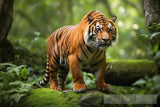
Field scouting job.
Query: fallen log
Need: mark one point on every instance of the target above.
(126, 72)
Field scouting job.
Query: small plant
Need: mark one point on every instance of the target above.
(12, 89)
(88, 78)
(149, 85)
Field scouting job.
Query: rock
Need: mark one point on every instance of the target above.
(92, 99)
(126, 72)
(45, 97)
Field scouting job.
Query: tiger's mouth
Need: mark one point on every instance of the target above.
(104, 45)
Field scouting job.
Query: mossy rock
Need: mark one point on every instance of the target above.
(126, 72)
(45, 97)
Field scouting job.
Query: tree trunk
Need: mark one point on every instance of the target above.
(6, 17)
(152, 16)
(152, 12)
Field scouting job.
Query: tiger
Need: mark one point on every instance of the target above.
(78, 48)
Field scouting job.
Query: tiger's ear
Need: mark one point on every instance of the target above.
(113, 18)
(90, 18)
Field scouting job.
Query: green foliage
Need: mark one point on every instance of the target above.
(89, 79)
(11, 86)
(149, 85)
(155, 41)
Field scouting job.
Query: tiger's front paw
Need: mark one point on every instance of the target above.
(103, 87)
(79, 88)
(55, 88)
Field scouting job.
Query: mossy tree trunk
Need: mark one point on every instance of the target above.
(126, 72)
(6, 17)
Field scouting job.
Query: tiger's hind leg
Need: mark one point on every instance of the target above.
(53, 80)
(61, 79)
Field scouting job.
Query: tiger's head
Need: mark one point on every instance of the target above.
(101, 31)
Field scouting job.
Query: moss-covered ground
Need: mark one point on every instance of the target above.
(45, 97)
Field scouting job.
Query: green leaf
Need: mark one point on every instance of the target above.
(12, 90)
(156, 79)
(7, 64)
(24, 73)
(16, 83)
(16, 97)
(139, 82)
(155, 49)
(2, 75)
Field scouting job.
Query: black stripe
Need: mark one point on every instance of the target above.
(87, 21)
(66, 44)
(87, 47)
(83, 50)
(92, 12)
(56, 57)
(89, 31)
(55, 53)
(97, 62)
(60, 34)
(64, 36)
(99, 54)
(57, 43)
(54, 61)
(47, 73)
(40, 82)
(92, 29)
(67, 37)
(45, 81)
(79, 59)
(47, 77)
(53, 71)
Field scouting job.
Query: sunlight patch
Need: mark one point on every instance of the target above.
(135, 26)
(120, 23)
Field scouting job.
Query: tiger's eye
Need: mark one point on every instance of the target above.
(110, 30)
(99, 27)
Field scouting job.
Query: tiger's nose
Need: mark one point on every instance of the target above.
(106, 41)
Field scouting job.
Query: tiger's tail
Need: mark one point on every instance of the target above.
(46, 78)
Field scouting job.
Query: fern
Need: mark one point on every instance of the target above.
(11, 86)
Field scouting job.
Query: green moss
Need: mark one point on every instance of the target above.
(126, 72)
(45, 97)
(134, 65)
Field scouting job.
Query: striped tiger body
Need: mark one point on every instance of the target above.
(79, 48)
